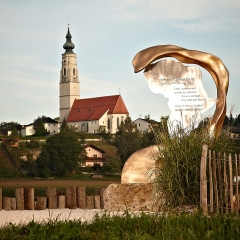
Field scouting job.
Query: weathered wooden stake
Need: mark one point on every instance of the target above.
(236, 174)
(41, 203)
(61, 201)
(29, 198)
(97, 202)
(13, 203)
(101, 197)
(0, 199)
(81, 197)
(220, 181)
(71, 199)
(19, 195)
(52, 202)
(51, 192)
(225, 182)
(203, 180)
(215, 182)
(90, 202)
(6, 203)
(210, 182)
(231, 181)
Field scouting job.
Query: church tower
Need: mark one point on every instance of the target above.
(69, 82)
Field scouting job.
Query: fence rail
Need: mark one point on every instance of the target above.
(75, 197)
(219, 182)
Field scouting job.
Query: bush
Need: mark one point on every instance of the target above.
(177, 168)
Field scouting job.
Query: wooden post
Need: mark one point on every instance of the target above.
(231, 182)
(71, 198)
(97, 202)
(81, 197)
(215, 181)
(51, 192)
(210, 182)
(41, 203)
(13, 203)
(101, 197)
(19, 195)
(90, 202)
(1, 199)
(61, 201)
(29, 198)
(220, 182)
(236, 174)
(203, 180)
(52, 202)
(6, 203)
(225, 182)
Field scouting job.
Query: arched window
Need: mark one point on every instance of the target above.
(118, 122)
(109, 124)
(64, 71)
(74, 71)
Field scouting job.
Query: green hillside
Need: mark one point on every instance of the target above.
(7, 169)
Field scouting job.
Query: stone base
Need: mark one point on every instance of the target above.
(130, 196)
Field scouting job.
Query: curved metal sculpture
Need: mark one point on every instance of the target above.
(211, 63)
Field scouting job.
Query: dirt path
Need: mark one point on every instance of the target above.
(53, 183)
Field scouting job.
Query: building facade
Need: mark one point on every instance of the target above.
(69, 86)
(91, 114)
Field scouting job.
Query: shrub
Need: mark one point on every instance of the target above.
(177, 167)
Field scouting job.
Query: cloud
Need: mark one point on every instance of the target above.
(197, 16)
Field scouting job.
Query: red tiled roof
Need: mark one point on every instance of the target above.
(94, 108)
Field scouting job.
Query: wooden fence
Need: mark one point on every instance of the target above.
(75, 197)
(219, 182)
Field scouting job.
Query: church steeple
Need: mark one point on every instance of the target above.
(69, 81)
(69, 46)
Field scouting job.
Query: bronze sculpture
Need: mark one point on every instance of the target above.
(211, 63)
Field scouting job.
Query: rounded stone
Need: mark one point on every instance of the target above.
(139, 164)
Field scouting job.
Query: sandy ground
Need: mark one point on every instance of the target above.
(23, 217)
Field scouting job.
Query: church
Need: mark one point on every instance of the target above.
(87, 114)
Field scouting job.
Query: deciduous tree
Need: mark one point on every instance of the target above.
(128, 139)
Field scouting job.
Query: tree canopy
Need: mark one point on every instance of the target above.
(41, 130)
(128, 139)
(61, 154)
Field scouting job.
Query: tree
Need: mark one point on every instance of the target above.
(128, 139)
(60, 153)
(9, 125)
(41, 130)
(64, 126)
(14, 132)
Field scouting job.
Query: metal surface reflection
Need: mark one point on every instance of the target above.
(211, 63)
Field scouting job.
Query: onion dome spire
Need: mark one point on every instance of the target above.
(69, 46)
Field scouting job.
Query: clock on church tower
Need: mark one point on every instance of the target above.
(69, 86)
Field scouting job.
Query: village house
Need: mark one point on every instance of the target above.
(145, 125)
(94, 156)
(52, 126)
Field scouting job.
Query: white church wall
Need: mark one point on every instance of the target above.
(115, 121)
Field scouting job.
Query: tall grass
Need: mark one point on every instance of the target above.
(177, 168)
(129, 226)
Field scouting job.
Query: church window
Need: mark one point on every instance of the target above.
(108, 123)
(74, 71)
(64, 71)
(117, 122)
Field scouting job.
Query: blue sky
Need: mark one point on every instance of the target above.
(107, 35)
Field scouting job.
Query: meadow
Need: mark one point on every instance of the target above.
(130, 226)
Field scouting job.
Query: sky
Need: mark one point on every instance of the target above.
(107, 35)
